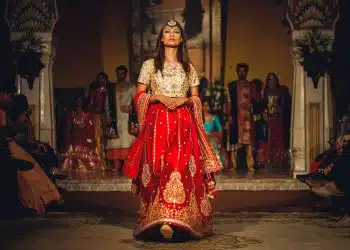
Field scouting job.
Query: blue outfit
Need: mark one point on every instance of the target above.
(212, 126)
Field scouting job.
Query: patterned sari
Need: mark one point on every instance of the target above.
(172, 162)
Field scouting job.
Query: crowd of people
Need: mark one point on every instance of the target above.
(250, 117)
(169, 135)
(245, 116)
(101, 126)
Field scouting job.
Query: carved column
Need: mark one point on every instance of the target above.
(312, 107)
(39, 16)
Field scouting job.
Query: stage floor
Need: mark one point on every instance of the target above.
(248, 231)
(262, 180)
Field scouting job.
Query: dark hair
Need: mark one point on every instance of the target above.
(121, 67)
(84, 102)
(182, 53)
(19, 105)
(267, 78)
(242, 65)
(207, 99)
(102, 74)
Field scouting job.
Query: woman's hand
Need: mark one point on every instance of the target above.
(180, 101)
(167, 101)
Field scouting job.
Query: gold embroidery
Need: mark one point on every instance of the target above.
(192, 165)
(205, 206)
(142, 107)
(142, 211)
(172, 82)
(209, 161)
(188, 217)
(81, 158)
(146, 175)
(174, 190)
(155, 139)
(162, 162)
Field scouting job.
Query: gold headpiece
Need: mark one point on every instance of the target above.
(172, 23)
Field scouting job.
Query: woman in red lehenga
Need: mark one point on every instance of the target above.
(171, 162)
(274, 106)
(82, 154)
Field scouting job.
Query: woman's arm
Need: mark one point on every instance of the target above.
(142, 88)
(185, 100)
(170, 103)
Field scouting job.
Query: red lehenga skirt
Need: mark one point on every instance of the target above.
(277, 153)
(172, 177)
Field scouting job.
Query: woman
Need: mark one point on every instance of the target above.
(274, 101)
(102, 105)
(213, 129)
(22, 133)
(81, 154)
(36, 190)
(171, 160)
(261, 126)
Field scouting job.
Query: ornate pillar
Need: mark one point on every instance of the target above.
(39, 16)
(312, 107)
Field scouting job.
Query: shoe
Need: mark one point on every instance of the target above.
(167, 232)
(327, 190)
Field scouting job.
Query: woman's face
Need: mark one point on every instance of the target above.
(171, 36)
(101, 79)
(205, 107)
(271, 81)
(79, 103)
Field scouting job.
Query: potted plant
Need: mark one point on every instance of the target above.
(315, 54)
(28, 52)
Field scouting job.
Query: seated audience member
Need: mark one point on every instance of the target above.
(334, 174)
(22, 133)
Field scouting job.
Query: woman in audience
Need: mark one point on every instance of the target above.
(23, 135)
(213, 129)
(36, 190)
(28, 183)
(81, 149)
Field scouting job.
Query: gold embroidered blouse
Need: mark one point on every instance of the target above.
(172, 83)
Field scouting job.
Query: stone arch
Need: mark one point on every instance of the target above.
(311, 121)
(39, 17)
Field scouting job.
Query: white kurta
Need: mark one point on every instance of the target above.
(124, 96)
